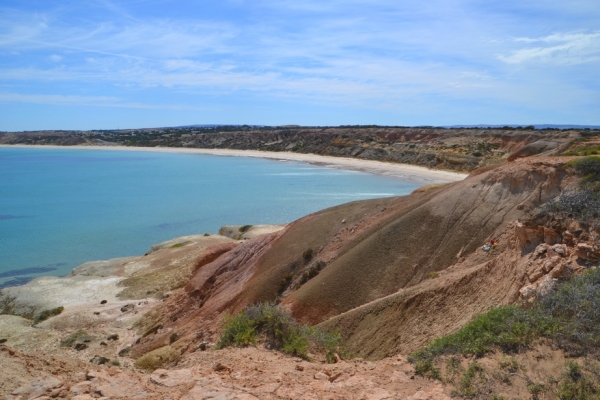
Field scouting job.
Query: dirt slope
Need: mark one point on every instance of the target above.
(369, 264)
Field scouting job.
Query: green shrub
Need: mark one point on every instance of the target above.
(581, 204)
(44, 315)
(584, 151)
(275, 325)
(427, 369)
(508, 327)
(238, 330)
(466, 382)
(535, 389)
(570, 315)
(307, 255)
(588, 166)
(245, 228)
(72, 338)
(181, 244)
(576, 304)
(576, 385)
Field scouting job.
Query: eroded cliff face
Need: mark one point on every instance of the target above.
(389, 274)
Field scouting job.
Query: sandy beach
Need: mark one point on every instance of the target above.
(403, 171)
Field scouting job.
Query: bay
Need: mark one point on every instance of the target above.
(62, 207)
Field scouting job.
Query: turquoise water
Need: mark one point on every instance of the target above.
(62, 207)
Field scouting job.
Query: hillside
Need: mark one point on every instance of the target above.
(344, 265)
(458, 149)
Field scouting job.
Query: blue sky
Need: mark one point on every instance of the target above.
(103, 64)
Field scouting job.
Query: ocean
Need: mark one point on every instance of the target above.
(62, 207)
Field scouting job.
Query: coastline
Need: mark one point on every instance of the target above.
(403, 171)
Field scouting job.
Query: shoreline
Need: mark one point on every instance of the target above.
(395, 170)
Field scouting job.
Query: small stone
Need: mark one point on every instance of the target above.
(560, 249)
(3, 340)
(103, 302)
(124, 351)
(99, 360)
(80, 376)
(80, 346)
(127, 307)
(114, 336)
(103, 344)
(37, 387)
(220, 367)
(299, 368)
(321, 376)
(81, 388)
(333, 377)
(203, 346)
(344, 221)
(96, 313)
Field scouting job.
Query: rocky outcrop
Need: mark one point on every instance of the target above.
(245, 232)
(535, 148)
(166, 268)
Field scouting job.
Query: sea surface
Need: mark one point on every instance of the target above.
(62, 207)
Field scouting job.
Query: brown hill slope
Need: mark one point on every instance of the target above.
(333, 262)
(455, 219)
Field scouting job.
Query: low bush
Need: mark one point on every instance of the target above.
(181, 244)
(275, 326)
(570, 315)
(580, 204)
(44, 315)
(588, 166)
(508, 327)
(245, 228)
(576, 305)
(72, 338)
(473, 372)
(576, 385)
(584, 151)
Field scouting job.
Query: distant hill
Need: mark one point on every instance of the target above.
(536, 126)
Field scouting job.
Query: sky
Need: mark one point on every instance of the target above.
(109, 64)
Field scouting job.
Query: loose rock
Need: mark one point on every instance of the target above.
(99, 360)
(127, 307)
(220, 367)
(80, 346)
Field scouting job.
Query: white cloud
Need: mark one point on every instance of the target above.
(96, 101)
(55, 58)
(569, 48)
(382, 54)
(55, 99)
